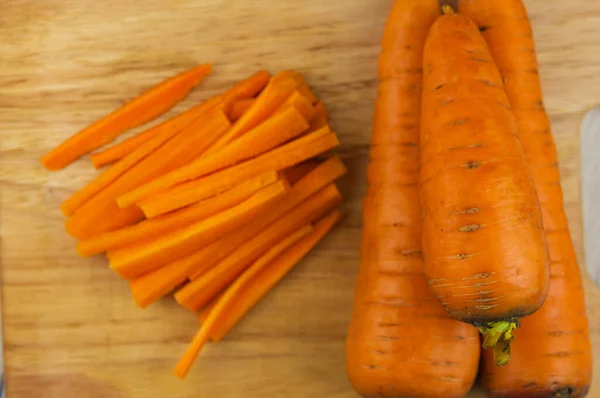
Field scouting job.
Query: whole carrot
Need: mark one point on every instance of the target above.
(485, 251)
(551, 353)
(401, 342)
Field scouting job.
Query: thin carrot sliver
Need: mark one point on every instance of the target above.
(138, 111)
(148, 229)
(138, 259)
(199, 292)
(201, 338)
(130, 145)
(280, 158)
(238, 108)
(276, 130)
(261, 284)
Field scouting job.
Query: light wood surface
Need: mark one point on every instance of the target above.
(70, 326)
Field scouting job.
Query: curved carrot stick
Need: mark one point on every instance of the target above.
(138, 111)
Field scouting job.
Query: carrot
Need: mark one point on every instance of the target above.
(278, 159)
(159, 282)
(102, 214)
(321, 118)
(301, 103)
(138, 259)
(552, 355)
(136, 112)
(276, 130)
(247, 88)
(257, 287)
(278, 89)
(484, 246)
(303, 87)
(216, 315)
(239, 107)
(130, 145)
(151, 228)
(296, 173)
(199, 292)
(401, 342)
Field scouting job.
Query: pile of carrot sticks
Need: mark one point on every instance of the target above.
(217, 204)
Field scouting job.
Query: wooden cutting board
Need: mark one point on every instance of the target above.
(70, 326)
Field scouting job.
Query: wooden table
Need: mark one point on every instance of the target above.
(71, 327)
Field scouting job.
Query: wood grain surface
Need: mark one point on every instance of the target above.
(71, 328)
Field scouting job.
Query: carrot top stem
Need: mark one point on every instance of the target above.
(498, 335)
(447, 9)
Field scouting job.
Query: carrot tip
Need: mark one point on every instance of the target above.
(498, 335)
(448, 10)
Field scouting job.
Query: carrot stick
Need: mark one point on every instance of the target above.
(301, 103)
(247, 88)
(102, 214)
(138, 111)
(136, 260)
(278, 159)
(157, 226)
(199, 292)
(278, 89)
(488, 228)
(130, 145)
(296, 173)
(159, 282)
(321, 118)
(303, 87)
(239, 107)
(551, 354)
(276, 130)
(216, 315)
(260, 285)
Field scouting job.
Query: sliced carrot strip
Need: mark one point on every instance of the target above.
(139, 259)
(102, 214)
(138, 111)
(238, 108)
(198, 293)
(276, 130)
(278, 159)
(247, 88)
(260, 285)
(296, 173)
(321, 118)
(201, 338)
(130, 145)
(148, 229)
(302, 104)
(303, 87)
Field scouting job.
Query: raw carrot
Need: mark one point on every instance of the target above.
(273, 132)
(321, 118)
(239, 107)
(484, 246)
(303, 87)
(147, 229)
(278, 159)
(138, 259)
(296, 173)
(302, 104)
(138, 111)
(159, 282)
(401, 341)
(256, 288)
(199, 292)
(551, 354)
(130, 145)
(216, 315)
(247, 88)
(102, 214)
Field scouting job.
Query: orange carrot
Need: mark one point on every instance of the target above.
(247, 88)
(138, 111)
(278, 159)
(198, 293)
(321, 118)
(303, 87)
(102, 214)
(296, 173)
(301, 103)
(130, 145)
(159, 282)
(276, 130)
(239, 107)
(138, 259)
(216, 315)
(257, 287)
(157, 226)
(487, 230)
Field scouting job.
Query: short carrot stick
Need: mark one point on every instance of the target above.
(238, 108)
(275, 131)
(148, 229)
(278, 159)
(303, 87)
(102, 214)
(138, 259)
(321, 118)
(130, 145)
(247, 88)
(261, 284)
(301, 103)
(140, 110)
(198, 293)
(150, 287)
(215, 316)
